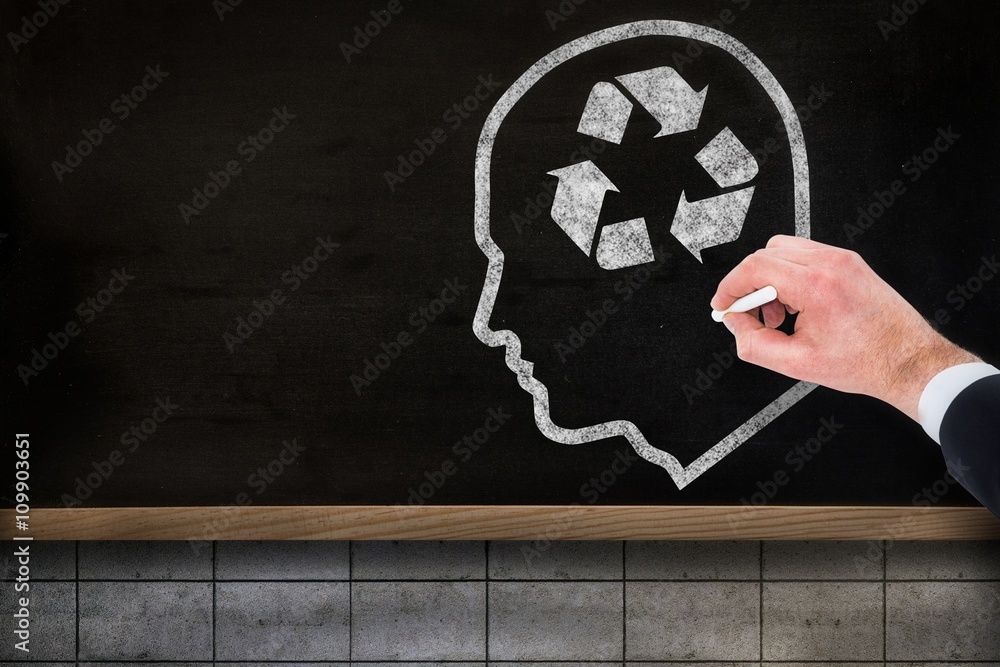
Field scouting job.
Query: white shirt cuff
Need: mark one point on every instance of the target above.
(944, 388)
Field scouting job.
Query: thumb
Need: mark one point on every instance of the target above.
(761, 345)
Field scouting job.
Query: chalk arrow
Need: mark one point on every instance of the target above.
(710, 222)
(577, 204)
(606, 113)
(674, 104)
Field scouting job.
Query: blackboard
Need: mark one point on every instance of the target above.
(240, 260)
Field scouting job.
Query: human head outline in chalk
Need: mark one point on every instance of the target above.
(632, 250)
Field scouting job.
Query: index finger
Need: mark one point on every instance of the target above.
(760, 270)
(785, 241)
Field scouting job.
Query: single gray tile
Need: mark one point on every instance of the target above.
(51, 621)
(813, 664)
(436, 663)
(145, 621)
(692, 560)
(692, 620)
(605, 664)
(939, 664)
(943, 560)
(556, 560)
(46, 560)
(419, 620)
(565, 620)
(707, 664)
(226, 664)
(822, 621)
(823, 560)
(144, 560)
(419, 560)
(548, 663)
(943, 621)
(282, 621)
(277, 560)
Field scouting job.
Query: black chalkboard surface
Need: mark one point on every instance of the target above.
(243, 248)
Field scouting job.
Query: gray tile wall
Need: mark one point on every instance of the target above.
(469, 603)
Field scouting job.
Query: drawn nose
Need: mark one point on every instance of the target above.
(504, 307)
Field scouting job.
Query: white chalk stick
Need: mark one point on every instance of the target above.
(748, 302)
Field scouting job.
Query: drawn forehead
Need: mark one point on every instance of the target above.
(624, 33)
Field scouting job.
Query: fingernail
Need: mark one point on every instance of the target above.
(728, 321)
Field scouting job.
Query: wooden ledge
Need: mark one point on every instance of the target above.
(508, 522)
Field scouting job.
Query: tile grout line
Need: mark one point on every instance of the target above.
(76, 585)
(624, 607)
(214, 547)
(350, 600)
(885, 611)
(760, 600)
(486, 544)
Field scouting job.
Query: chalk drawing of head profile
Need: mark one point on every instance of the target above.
(663, 94)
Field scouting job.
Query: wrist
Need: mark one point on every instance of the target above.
(917, 367)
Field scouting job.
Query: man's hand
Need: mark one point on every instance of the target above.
(853, 333)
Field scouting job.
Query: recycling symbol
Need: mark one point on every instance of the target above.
(677, 107)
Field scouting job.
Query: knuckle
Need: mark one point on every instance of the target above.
(823, 281)
(835, 257)
(850, 258)
(857, 261)
(843, 259)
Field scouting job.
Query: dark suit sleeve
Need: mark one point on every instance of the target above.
(970, 440)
